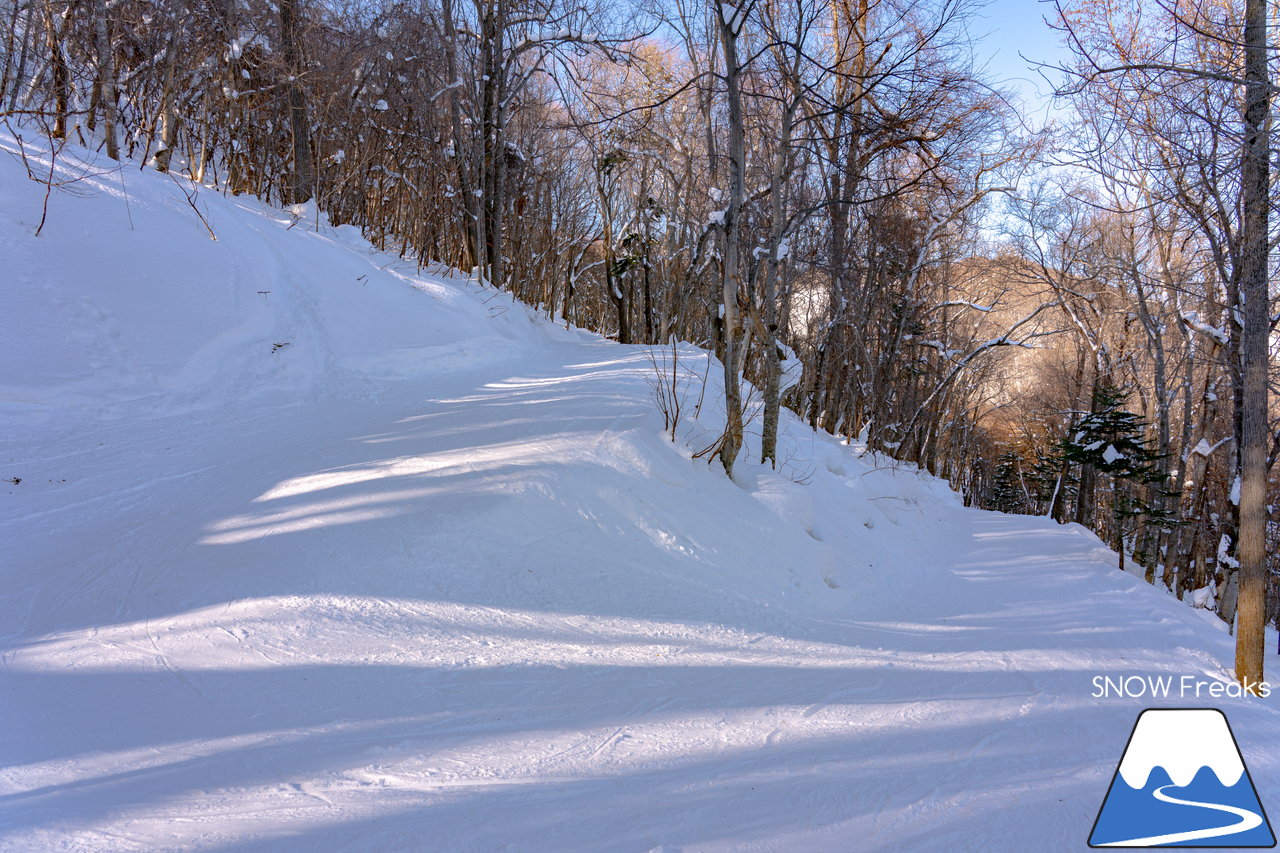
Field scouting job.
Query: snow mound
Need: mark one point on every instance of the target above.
(126, 303)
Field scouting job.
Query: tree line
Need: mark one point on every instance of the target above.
(1150, 419)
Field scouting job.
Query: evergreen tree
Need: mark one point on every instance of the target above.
(1007, 494)
(1052, 483)
(1112, 440)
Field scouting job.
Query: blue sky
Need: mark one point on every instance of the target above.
(1008, 27)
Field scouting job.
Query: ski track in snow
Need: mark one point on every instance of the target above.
(451, 589)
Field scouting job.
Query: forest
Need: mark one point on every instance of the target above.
(1071, 318)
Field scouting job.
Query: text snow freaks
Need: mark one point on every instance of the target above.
(1170, 686)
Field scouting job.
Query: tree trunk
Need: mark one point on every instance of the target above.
(61, 76)
(168, 98)
(461, 158)
(772, 353)
(20, 72)
(731, 442)
(1088, 475)
(303, 184)
(106, 78)
(1255, 179)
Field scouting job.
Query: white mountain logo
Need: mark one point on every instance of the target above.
(1182, 783)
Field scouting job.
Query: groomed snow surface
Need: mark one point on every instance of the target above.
(306, 551)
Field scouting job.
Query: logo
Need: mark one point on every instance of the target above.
(1181, 783)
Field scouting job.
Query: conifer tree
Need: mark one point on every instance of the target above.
(1112, 440)
(1053, 486)
(1007, 494)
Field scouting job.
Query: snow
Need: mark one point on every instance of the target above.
(1192, 319)
(1110, 455)
(985, 309)
(734, 16)
(431, 577)
(1224, 553)
(784, 245)
(791, 368)
(941, 348)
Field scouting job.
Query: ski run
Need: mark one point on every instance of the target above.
(306, 549)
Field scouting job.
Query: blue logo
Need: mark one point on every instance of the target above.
(1182, 783)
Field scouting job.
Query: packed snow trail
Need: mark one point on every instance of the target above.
(431, 577)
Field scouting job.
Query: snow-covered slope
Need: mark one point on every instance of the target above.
(307, 551)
